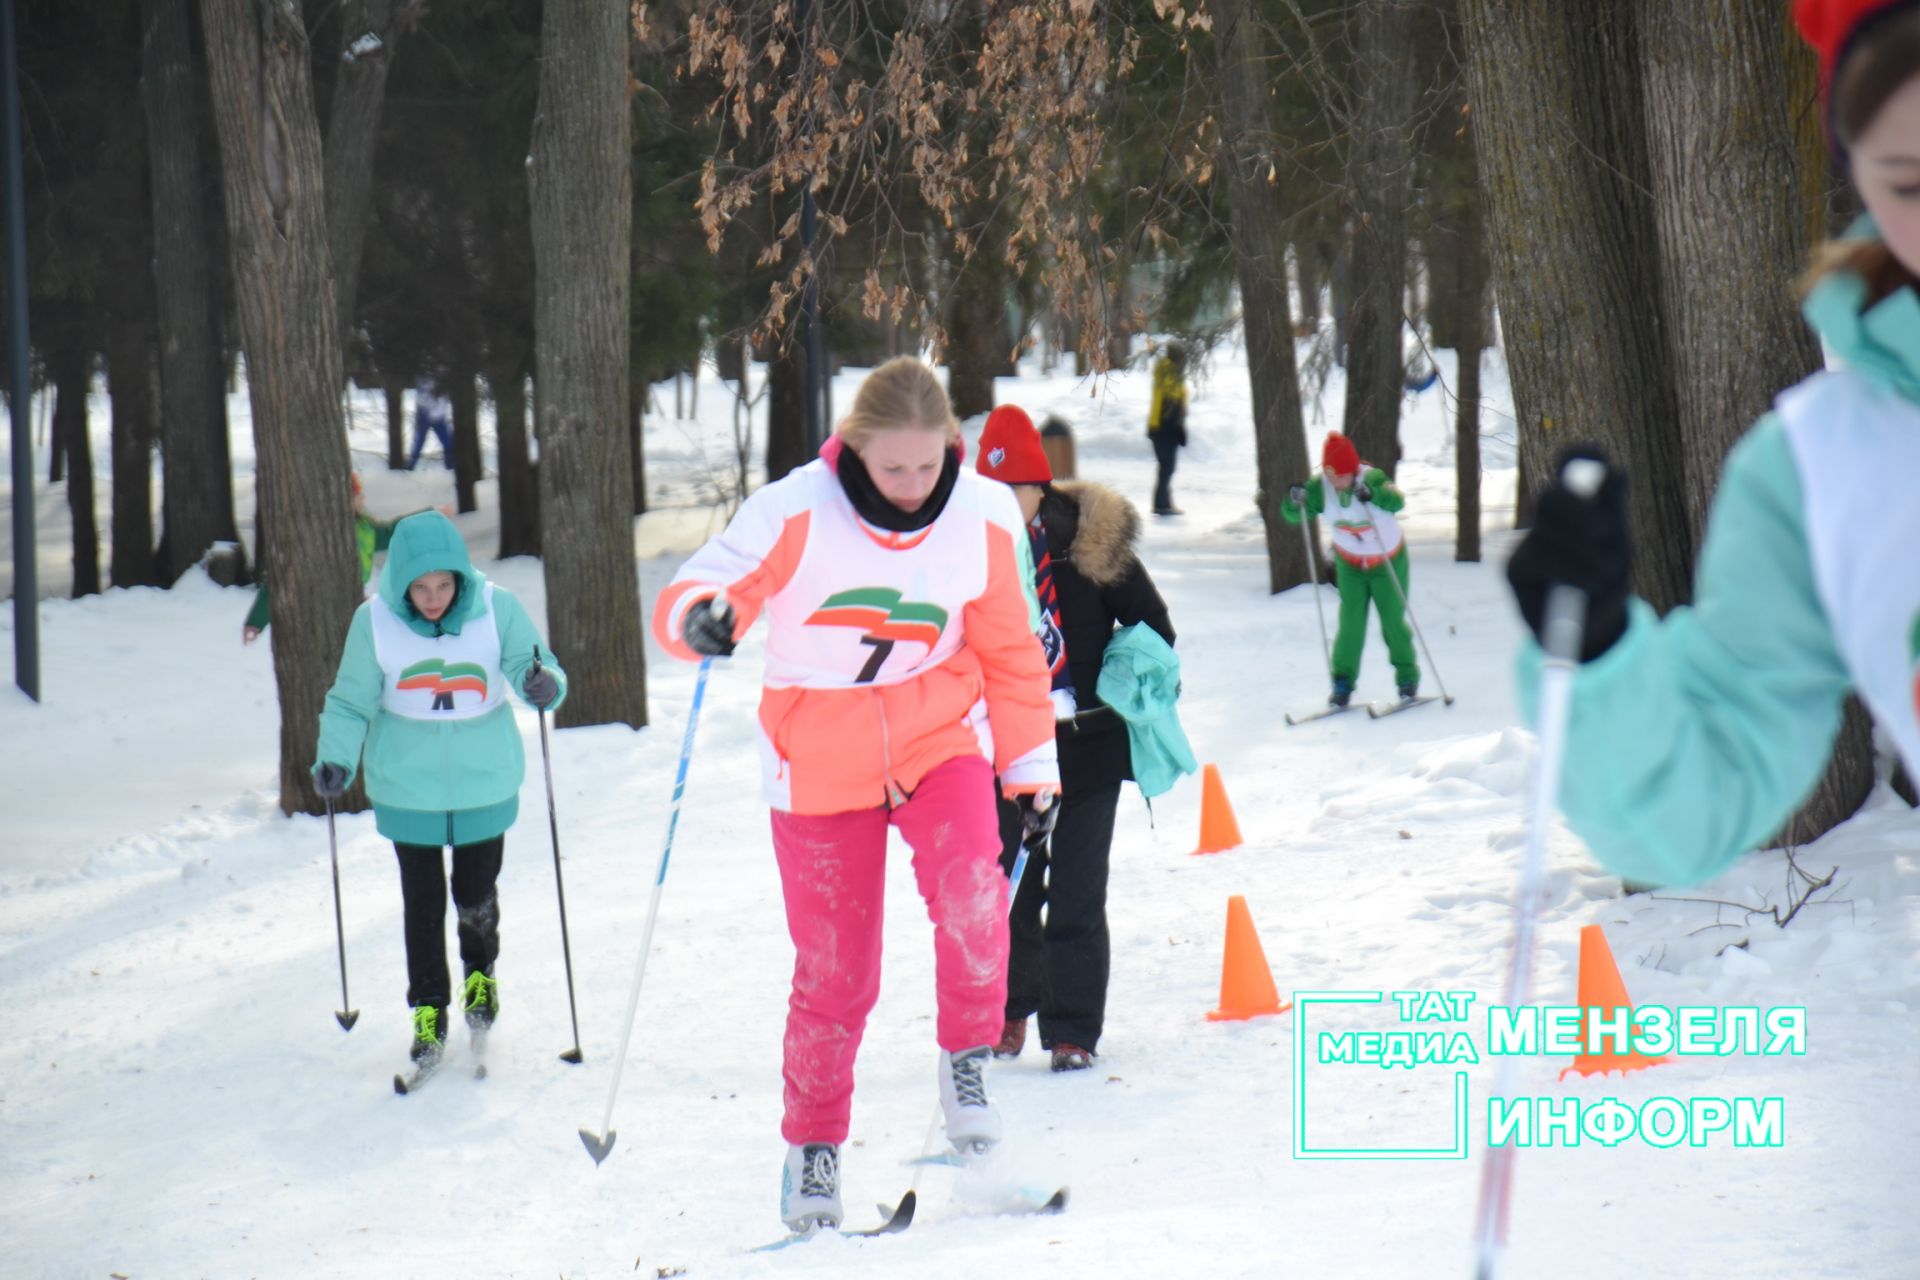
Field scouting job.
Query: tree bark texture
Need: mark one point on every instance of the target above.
(370, 32)
(1563, 167)
(396, 393)
(1380, 183)
(1257, 233)
(71, 372)
(519, 508)
(271, 168)
(197, 477)
(977, 334)
(637, 441)
(787, 410)
(465, 397)
(130, 382)
(582, 206)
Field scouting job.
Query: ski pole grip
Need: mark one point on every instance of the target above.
(536, 659)
(1584, 476)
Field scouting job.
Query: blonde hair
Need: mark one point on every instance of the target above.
(903, 392)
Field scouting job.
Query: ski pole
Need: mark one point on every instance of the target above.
(599, 1145)
(1405, 604)
(1566, 616)
(559, 884)
(1313, 576)
(348, 1015)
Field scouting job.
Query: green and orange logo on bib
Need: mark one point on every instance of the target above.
(886, 620)
(443, 679)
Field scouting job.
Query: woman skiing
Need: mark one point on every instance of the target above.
(1359, 502)
(1089, 580)
(902, 674)
(422, 686)
(1692, 739)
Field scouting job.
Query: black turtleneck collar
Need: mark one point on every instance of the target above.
(874, 508)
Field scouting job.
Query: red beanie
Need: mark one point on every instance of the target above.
(1010, 449)
(1339, 456)
(1830, 25)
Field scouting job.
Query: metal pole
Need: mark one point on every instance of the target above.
(559, 883)
(26, 579)
(1406, 606)
(1313, 577)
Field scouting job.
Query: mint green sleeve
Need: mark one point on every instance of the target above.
(517, 639)
(1023, 552)
(1695, 738)
(354, 699)
(1386, 494)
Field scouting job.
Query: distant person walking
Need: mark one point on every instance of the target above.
(1167, 423)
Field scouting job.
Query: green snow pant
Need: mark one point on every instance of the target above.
(1357, 586)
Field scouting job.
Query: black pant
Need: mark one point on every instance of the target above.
(423, 890)
(1059, 968)
(1166, 448)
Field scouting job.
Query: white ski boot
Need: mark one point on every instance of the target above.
(972, 1123)
(810, 1187)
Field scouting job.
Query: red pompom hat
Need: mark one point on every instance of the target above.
(1010, 449)
(1339, 456)
(1830, 25)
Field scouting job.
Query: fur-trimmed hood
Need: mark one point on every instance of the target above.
(1100, 532)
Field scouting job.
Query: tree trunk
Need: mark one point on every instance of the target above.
(1844, 787)
(976, 335)
(56, 447)
(1259, 246)
(370, 32)
(197, 466)
(582, 206)
(636, 439)
(787, 411)
(1563, 167)
(130, 382)
(71, 372)
(396, 392)
(519, 516)
(1381, 170)
(465, 397)
(1306, 268)
(260, 64)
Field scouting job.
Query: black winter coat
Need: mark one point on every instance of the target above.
(1091, 532)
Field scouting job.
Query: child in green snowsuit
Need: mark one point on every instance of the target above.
(1367, 546)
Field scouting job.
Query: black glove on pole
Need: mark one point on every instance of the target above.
(1582, 542)
(708, 627)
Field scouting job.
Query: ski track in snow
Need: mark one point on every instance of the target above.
(176, 1099)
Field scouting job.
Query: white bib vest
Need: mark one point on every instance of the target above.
(1357, 539)
(445, 677)
(1849, 438)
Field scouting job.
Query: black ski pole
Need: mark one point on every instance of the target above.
(559, 885)
(348, 1015)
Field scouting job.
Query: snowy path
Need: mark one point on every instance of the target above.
(175, 1099)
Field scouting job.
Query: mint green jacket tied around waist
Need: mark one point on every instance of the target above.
(1694, 738)
(451, 782)
(1140, 680)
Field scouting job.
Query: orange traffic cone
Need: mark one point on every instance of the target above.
(1601, 988)
(1218, 830)
(1246, 984)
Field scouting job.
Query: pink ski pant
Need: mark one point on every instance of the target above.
(833, 873)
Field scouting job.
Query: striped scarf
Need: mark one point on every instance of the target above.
(1053, 639)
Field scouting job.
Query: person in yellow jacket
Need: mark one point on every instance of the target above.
(1167, 422)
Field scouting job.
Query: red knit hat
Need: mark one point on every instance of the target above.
(1339, 456)
(1010, 449)
(1830, 25)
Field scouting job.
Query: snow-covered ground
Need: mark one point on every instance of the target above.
(176, 1100)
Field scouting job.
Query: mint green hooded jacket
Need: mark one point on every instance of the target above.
(455, 782)
(1695, 737)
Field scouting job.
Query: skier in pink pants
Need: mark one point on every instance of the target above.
(903, 673)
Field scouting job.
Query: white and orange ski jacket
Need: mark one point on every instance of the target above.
(887, 653)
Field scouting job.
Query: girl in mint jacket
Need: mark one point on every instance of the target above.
(1695, 737)
(421, 697)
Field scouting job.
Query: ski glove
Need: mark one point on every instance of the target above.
(541, 688)
(1297, 495)
(708, 630)
(1039, 810)
(330, 780)
(1580, 542)
(1363, 493)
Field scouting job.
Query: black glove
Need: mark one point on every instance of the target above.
(1297, 495)
(330, 780)
(708, 630)
(1581, 542)
(1361, 492)
(1038, 812)
(541, 687)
